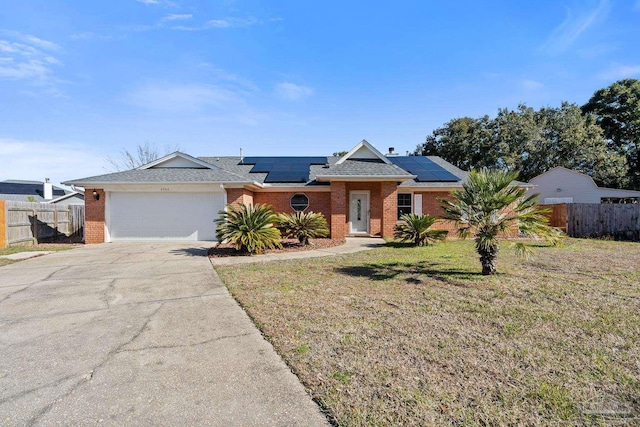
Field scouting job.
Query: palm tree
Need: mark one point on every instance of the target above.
(303, 226)
(417, 229)
(489, 205)
(250, 228)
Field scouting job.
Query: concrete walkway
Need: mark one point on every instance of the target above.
(19, 256)
(353, 244)
(140, 334)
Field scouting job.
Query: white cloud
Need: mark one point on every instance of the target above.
(292, 91)
(166, 3)
(182, 97)
(532, 85)
(38, 42)
(232, 22)
(29, 58)
(26, 70)
(229, 79)
(36, 160)
(177, 17)
(620, 71)
(573, 26)
(89, 35)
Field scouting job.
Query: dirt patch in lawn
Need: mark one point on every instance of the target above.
(416, 336)
(288, 245)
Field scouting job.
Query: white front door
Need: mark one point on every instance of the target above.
(359, 211)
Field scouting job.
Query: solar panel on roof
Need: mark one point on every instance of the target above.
(283, 169)
(309, 160)
(261, 167)
(425, 169)
(287, 176)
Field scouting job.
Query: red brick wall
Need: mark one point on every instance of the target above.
(389, 203)
(338, 210)
(431, 206)
(281, 202)
(239, 196)
(94, 217)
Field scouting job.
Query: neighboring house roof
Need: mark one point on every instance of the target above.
(362, 163)
(563, 183)
(27, 191)
(77, 194)
(160, 176)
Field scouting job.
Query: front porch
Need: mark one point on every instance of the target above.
(362, 208)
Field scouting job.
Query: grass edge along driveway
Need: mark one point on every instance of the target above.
(416, 336)
(30, 248)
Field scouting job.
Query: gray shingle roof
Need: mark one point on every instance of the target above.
(364, 168)
(230, 170)
(23, 191)
(162, 175)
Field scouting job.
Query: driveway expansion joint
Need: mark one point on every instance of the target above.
(197, 344)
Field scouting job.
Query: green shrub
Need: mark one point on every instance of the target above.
(250, 228)
(416, 229)
(303, 226)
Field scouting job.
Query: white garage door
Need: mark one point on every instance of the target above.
(159, 216)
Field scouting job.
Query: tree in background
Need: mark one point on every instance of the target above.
(617, 111)
(528, 140)
(144, 153)
(466, 142)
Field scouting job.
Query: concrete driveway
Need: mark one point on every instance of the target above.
(138, 334)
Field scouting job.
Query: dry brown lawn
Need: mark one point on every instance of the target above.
(415, 336)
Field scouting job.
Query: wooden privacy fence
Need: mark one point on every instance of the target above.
(36, 222)
(619, 221)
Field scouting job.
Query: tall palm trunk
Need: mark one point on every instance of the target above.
(488, 255)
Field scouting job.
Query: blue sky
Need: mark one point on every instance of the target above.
(81, 80)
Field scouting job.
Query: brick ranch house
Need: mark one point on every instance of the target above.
(178, 196)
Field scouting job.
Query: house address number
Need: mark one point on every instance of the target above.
(165, 189)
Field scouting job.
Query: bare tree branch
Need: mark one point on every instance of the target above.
(143, 154)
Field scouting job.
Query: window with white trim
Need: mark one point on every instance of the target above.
(404, 204)
(299, 202)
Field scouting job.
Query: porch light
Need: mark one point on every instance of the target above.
(95, 195)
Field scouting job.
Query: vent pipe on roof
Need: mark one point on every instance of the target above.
(241, 157)
(392, 152)
(47, 190)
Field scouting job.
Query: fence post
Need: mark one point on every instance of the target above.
(3, 224)
(55, 223)
(35, 226)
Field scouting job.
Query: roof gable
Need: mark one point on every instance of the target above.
(363, 151)
(560, 172)
(178, 160)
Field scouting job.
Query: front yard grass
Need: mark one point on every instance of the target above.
(30, 248)
(416, 336)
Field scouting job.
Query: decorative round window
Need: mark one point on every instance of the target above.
(299, 202)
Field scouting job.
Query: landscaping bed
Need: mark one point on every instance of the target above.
(288, 245)
(416, 336)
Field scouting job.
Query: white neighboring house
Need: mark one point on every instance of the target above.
(562, 185)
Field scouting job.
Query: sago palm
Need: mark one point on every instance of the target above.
(304, 226)
(489, 205)
(250, 228)
(417, 229)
